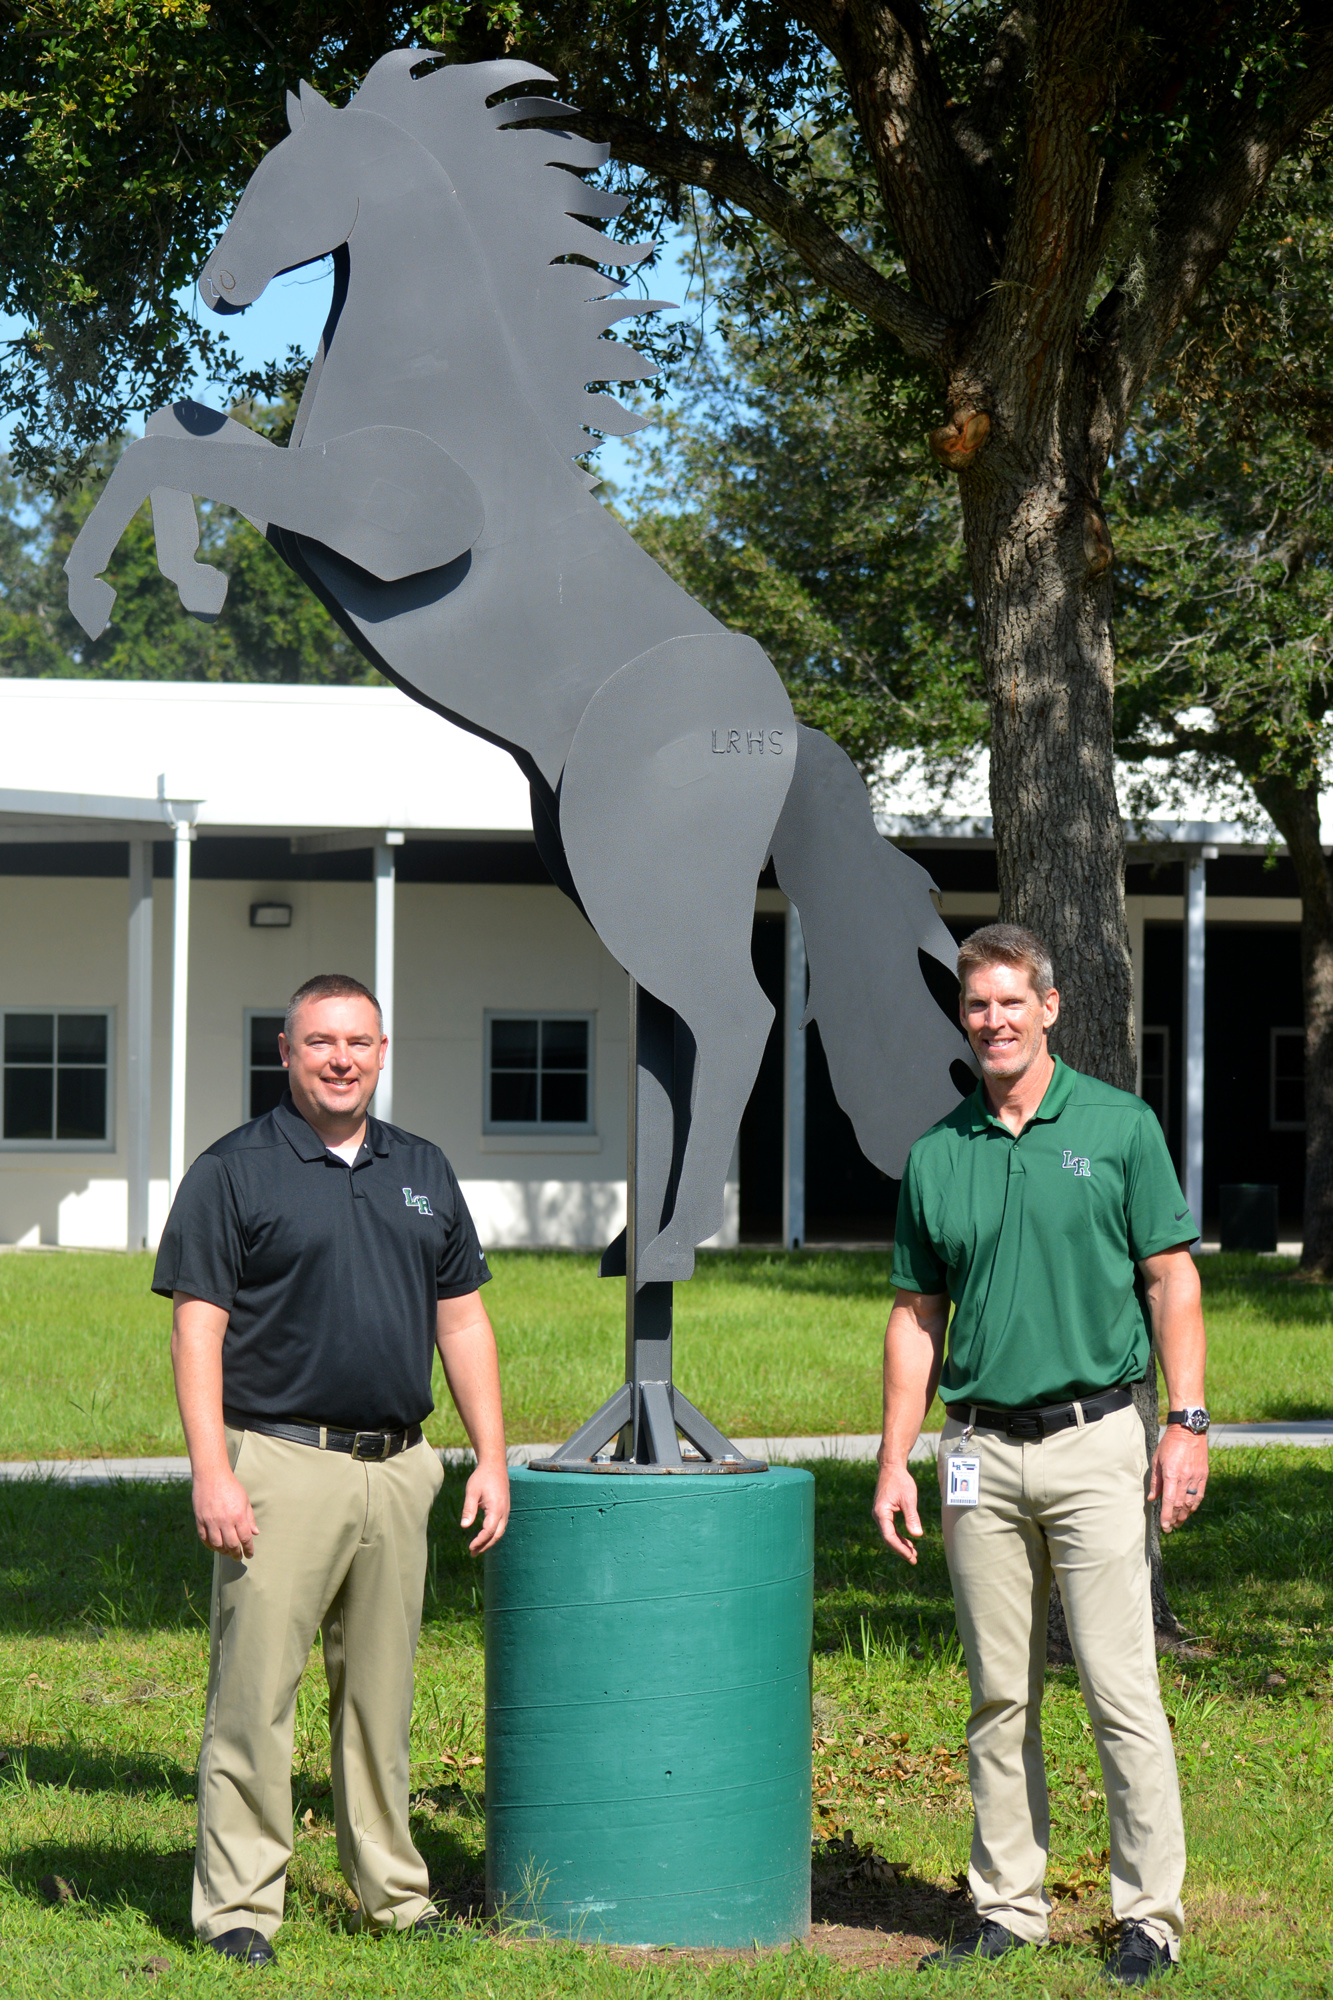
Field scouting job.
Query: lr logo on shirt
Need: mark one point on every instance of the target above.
(419, 1202)
(1078, 1165)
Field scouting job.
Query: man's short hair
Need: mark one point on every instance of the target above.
(329, 986)
(1007, 944)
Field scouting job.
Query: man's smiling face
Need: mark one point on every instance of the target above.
(1006, 1019)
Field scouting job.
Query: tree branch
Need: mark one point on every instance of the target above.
(893, 80)
(1201, 212)
(732, 176)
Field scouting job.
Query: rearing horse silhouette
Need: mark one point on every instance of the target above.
(428, 496)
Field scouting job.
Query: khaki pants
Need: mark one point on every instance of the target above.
(342, 1547)
(1072, 1503)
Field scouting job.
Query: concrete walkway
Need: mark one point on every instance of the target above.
(857, 1449)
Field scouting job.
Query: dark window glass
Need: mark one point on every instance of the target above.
(28, 1103)
(81, 1038)
(513, 1098)
(29, 1038)
(80, 1103)
(539, 1072)
(565, 1045)
(264, 1032)
(564, 1099)
(268, 1078)
(56, 1077)
(1288, 1093)
(514, 1044)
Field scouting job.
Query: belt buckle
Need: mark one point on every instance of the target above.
(363, 1440)
(1026, 1424)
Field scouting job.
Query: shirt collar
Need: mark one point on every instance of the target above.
(1058, 1092)
(305, 1141)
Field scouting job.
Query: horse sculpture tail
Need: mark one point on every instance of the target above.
(895, 1061)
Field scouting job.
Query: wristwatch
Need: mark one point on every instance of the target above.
(1195, 1419)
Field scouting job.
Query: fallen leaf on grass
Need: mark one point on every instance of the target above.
(151, 1968)
(35, 1682)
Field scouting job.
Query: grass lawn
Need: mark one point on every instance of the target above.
(765, 1344)
(102, 1663)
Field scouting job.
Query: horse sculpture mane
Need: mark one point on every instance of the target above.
(540, 252)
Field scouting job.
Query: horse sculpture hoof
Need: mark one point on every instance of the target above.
(203, 590)
(90, 601)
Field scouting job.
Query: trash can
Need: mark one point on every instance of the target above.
(1249, 1215)
(648, 1708)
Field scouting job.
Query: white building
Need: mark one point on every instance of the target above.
(176, 858)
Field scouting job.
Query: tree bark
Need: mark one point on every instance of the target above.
(1294, 811)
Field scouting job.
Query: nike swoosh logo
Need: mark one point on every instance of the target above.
(1183, 1213)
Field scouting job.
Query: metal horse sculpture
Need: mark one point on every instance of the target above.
(429, 497)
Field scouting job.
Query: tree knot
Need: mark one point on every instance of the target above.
(958, 442)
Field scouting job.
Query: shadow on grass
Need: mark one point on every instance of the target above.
(126, 1557)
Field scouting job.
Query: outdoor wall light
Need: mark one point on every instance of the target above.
(270, 916)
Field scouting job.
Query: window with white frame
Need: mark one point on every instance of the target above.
(57, 1076)
(539, 1073)
(265, 1078)
(1286, 1080)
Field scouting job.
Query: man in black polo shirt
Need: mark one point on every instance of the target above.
(317, 1259)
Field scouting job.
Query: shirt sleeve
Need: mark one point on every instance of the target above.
(1156, 1212)
(203, 1245)
(462, 1267)
(916, 1265)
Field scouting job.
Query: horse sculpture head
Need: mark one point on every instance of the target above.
(519, 195)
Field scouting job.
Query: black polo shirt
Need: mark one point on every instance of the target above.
(330, 1274)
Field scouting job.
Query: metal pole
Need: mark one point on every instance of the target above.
(180, 1002)
(793, 1091)
(139, 1044)
(1192, 1123)
(648, 1307)
(385, 899)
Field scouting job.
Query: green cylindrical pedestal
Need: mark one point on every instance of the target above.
(648, 1707)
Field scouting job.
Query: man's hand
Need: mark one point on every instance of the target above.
(487, 1491)
(223, 1514)
(1179, 1474)
(895, 1493)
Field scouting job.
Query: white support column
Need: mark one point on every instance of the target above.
(180, 1002)
(385, 885)
(1192, 1123)
(793, 1092)
(139, 1043)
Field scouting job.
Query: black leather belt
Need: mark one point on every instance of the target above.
(372, 1445)
(1041, 1422)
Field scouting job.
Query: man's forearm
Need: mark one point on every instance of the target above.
(1176, 1309)
(196, 1359)
(913, 1351)
(472, 1370)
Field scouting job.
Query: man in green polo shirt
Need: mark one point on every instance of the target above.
(1046, 1214)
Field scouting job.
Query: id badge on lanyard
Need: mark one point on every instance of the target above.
(962, 1480)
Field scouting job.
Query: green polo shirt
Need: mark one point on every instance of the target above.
(1036, 1239)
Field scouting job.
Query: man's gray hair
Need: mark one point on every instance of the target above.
(1007, 944)
(329, 986)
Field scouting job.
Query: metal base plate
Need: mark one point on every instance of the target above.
(628, 1465)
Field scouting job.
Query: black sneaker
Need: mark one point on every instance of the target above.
(436, 1926)
(248, 1946)
(1137, 1957)
(991, 1941)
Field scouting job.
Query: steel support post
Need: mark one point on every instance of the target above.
(1192, 1122)
(139, 1044)
(385, 909)
(793, 1086)
(180, 1002)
